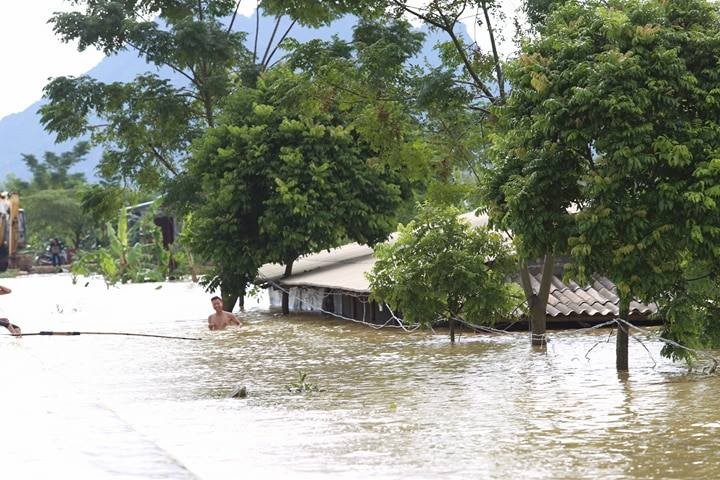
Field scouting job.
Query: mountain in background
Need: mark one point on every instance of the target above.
(22, 133)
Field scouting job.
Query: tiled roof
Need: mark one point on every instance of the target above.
(597, 299)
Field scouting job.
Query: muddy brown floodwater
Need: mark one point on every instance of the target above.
(391, 405)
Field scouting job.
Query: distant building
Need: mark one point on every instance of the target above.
(169, 226)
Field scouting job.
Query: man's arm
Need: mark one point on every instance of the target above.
(232, 319)
(12, 328)
(4, 290)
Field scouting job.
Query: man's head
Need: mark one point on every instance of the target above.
(217, 303)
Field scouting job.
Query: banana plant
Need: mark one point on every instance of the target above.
(126, 261)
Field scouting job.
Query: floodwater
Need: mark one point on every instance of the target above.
(390, 405)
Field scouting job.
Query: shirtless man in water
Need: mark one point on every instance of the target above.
(220, 319)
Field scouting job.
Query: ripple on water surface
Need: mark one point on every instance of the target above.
(391, 405)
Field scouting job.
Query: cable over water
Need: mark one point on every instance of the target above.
(127, 334)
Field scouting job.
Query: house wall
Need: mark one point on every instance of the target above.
(346, 304)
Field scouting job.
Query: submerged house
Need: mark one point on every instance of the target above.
(169, 226)
(334, 283)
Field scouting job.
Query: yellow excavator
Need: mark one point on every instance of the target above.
(12, 230)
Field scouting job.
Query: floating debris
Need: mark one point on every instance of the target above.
(239, 392)
(303, 386)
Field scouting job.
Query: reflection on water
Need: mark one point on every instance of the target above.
(393, 405)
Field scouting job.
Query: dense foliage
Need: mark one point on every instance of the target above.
(283, 175)
(441, 268)
(147, 126)
(134, 253)
(52, 196)
(613, 114)
(600, 139)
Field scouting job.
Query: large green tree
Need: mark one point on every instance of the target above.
(285, 173)
(146, 126)
(458, 98)
(613, 114)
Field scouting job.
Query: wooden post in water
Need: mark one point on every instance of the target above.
(451, 324)
(621, 343)
(241, 300)
(286, 291)
(285, 303)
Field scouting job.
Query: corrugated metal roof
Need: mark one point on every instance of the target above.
(318, 262)
(346, 275)
(597, 299)
(565, 300)
(350, 254)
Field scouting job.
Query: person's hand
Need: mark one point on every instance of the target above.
(13, 329)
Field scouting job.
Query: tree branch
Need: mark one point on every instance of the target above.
(468, 66)
(232, 20)
(479, 109)
(168, 64)
(525, 282)
(277, 61)
(547, 276)
(448, 28)
(278, 44)
(160, 158)
(456, 18)
(272, 37)
(496, 57)
(417, 14)
(257, 31)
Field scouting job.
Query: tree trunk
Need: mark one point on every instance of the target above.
(286, 292)
(537, 302)
(451, 325)
(621, 343)
(538, 324)
(231, 291)
(229, 299)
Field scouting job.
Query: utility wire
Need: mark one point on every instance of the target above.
(70, 334)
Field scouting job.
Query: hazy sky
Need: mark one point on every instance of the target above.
(31, 53)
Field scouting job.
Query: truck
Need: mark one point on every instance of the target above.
(12, 230)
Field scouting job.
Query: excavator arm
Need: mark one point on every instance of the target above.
(12, 228)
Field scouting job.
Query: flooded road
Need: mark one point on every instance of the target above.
(391, 405)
